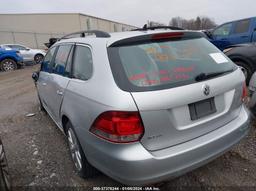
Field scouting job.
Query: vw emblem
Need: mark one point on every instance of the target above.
(206, 89)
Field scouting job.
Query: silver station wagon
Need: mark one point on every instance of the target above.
(142, 106)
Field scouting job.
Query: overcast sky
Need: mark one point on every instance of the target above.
(138, 12)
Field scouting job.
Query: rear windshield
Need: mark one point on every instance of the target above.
(165, 64)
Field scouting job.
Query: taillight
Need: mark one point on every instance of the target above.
(118, 126)
(245, 92)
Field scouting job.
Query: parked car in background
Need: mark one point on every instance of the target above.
(5, 183)
(244, 55)
(29, 54)
(142, 106)
(10, 60)
(234, 32)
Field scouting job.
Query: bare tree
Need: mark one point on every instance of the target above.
(154, 23)
(176, 22)
(207, 23)
(200, 23)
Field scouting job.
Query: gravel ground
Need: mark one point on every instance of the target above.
(38, 155)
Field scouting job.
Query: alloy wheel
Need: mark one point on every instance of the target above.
(4, 167)
(74, 149)
(38, 59)
(8, 65)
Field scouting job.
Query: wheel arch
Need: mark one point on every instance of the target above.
(244, 59)
(9, 57)
(38, 54)
(64, 120)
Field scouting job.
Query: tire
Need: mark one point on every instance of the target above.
(82, 166)
(38, 58)
(8, 65)
(5, 183)
(247, 70)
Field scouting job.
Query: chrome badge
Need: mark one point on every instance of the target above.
(206, 89)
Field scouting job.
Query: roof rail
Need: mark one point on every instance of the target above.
(145, 28)
(98, 33)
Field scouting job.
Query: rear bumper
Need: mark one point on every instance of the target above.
(132, 164)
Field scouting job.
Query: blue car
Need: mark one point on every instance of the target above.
(234, 32)
(10, 60)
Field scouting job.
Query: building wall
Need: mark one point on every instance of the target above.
(34, 30)
(40, 23)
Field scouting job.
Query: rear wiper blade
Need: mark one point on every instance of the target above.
(206, 76)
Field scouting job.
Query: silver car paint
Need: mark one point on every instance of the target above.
(132, 164)
(171, 145)
(167, 119)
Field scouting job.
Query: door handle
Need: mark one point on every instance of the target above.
(44, 84)
(244, 36)
(59, 92)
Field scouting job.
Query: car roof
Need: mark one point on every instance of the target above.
(116, 36)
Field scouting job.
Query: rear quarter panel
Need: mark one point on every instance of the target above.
(85, 100)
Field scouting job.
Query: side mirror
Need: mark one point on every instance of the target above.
(35, 76)
(27, 49)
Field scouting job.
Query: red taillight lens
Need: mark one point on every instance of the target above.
(245, 92)
(167, 35)
(118, 126)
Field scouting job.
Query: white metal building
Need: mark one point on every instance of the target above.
(34, 30)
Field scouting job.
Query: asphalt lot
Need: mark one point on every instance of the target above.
(39, 159)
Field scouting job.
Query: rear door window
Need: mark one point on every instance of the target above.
(18, 47)
(46, 64)
(60, 60)
(69, 62)
(165, 64)
(82, 63)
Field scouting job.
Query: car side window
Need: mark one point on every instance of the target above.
(82, 63)
(11, 46)
(18, 47)
(242, 26)
(69, 62)
(224, 30)
(46, 64)
(60, 60)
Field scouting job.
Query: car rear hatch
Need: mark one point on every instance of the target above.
(183, 86)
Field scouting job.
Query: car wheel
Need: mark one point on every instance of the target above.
(82, 166)
(246, 70)
(5, 184)
(38, 58)
(8, 65)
